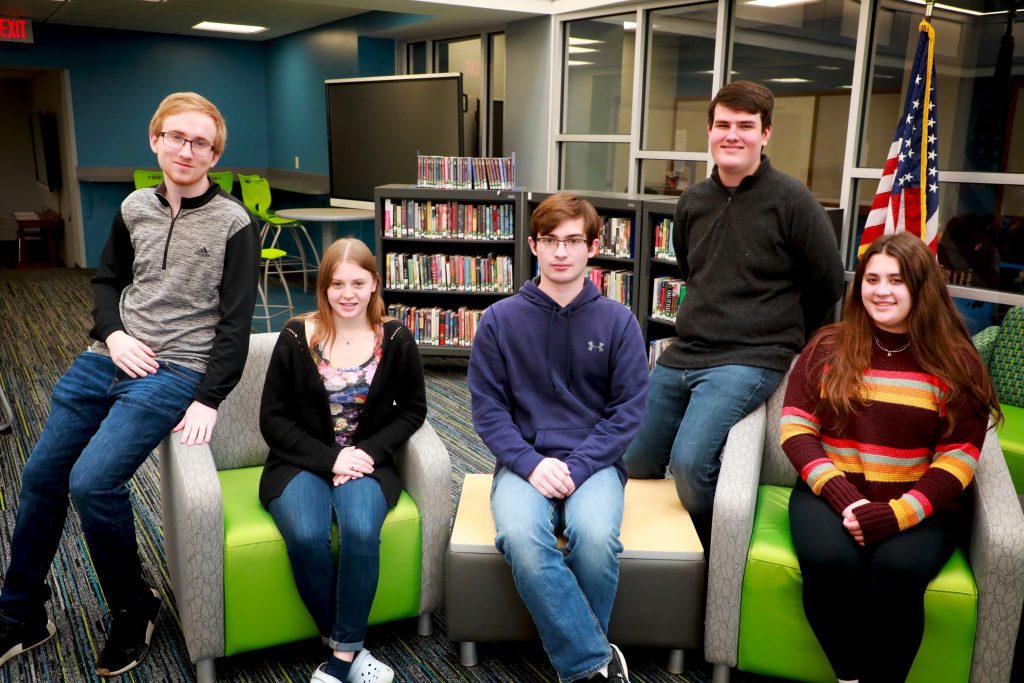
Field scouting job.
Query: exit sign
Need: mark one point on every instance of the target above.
(14, 30)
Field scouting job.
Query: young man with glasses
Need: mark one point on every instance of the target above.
(174, 295)
(558, 378)
(762, 269)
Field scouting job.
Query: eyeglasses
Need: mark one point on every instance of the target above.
(571, 243)
(200, 147)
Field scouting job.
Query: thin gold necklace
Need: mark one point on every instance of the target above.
(889, 352)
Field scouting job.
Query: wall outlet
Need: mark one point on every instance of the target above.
(296, 163)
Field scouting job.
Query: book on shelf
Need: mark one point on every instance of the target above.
(614, 284)
(616, 237)
(466, 173)
(667, 294)
(449, 272)
(434, 326)
(664, 247)
(655, 349)
(448, 220)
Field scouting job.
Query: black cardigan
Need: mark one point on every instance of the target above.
(295, 417)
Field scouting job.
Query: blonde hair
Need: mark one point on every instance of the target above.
(179, 102)
(345, 250)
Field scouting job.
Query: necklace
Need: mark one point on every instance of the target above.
(889, 352)
(348, 340)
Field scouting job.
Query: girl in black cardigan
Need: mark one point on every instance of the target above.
(344, 391)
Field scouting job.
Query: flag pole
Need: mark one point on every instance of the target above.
(928, 7)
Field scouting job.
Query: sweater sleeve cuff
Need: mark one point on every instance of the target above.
(525, 465)
(877, 521)
(839, 493)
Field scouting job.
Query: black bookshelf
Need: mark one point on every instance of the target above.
(654, 265)
(609, 205)
(428, 208)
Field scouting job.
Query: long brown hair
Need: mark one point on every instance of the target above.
(938, 338)
(345, 250)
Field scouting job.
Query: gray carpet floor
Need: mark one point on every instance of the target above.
(45, 317)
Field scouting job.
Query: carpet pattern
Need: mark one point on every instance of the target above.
(46, 317)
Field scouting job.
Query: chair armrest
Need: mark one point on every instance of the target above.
(735, 500)
(193, 520)
(997, 561)
(426, 471)
(985, 341)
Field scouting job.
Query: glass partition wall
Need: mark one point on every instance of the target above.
(635, 86)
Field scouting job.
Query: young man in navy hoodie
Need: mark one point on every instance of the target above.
(558, 377)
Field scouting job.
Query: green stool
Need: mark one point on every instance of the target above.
(263, 608)
(1011, 438)
(776, 640)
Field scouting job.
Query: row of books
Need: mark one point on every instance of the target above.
(438, 326)
(449, 272)
(448, 220)
(466, 173)
(667, 294)
(616, 238)
(655, 349)
(663, 245)
(614, 284)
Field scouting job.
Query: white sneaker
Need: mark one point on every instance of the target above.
(368, 669)
(319, 676)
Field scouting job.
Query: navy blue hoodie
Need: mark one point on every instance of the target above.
(562, 382)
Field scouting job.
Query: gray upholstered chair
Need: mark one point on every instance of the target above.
(204, 532)
(753, 456)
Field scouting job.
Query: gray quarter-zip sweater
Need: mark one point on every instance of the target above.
(183, 285)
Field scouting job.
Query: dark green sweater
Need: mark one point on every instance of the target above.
(758, 262)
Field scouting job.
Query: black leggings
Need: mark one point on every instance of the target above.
(866, 604)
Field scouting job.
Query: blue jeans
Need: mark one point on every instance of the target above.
(569, 596)
(102, 427)
(338, 596)
(689, 415)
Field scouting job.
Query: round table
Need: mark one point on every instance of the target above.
(326, 216)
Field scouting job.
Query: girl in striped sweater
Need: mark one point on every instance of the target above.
(884, 418)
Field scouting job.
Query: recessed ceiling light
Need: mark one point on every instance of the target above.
(629, 25)
(579, 62)
(825, 67)
(788, 80)
(228, 28)
(573, 40)
(573, 49)
(847, 87)
(779, 3)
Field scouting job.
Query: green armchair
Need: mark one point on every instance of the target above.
(1002, 351)
(755, 619)
(228, 565)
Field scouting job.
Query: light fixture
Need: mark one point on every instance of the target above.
(789, 79)
(825, 67)
(779, 3)
(579, 62)
(228, 28)
(575, 40)
(574, 49)
(959, 10)
(629, 25)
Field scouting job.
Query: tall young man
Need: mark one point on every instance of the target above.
(558, 380)
(174, 296)
(762, 268)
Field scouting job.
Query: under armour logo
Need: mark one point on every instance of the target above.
(595, 346)
(201, 251)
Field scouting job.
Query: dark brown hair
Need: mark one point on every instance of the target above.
(745, 96)
(938, 338)
(562, 206)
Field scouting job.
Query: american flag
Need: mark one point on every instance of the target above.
(908, 193)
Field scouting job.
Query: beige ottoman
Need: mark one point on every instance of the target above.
(660, 600)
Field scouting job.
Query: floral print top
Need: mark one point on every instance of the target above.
(346, 391)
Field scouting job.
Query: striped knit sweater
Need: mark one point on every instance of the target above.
(894, 451)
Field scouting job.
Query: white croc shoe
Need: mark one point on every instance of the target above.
(368, 669)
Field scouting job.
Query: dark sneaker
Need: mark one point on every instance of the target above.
(128, 635)
(18, 638)
(617, 671)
